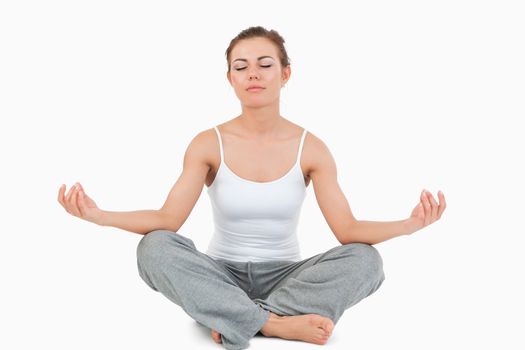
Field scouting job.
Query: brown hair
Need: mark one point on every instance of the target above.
(260, 32)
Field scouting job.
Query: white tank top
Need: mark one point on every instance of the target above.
(256, 221)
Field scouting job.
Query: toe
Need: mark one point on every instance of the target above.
(216, 336)
(328, 326)
(321, 339)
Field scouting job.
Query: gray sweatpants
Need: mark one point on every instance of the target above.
(234, 298)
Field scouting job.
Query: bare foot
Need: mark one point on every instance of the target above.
(311, 328)
(216, 336)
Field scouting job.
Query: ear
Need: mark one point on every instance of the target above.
(287, 72)
(228, 76)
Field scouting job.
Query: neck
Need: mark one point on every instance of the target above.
(260, 122)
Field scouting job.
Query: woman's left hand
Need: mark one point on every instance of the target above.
(426, 211)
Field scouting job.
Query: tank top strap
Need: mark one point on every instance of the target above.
(301, 147)
(220, 143)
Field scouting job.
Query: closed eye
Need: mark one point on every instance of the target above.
(268, 66)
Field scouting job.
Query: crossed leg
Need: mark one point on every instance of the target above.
(170, 264)
(313, 293)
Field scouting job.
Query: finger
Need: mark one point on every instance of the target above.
(61, 191)
(81, 191)
(442, 203)
(434, 206)
(426, 206)
(77, 195)
(73, 201)
(81, 203)
(67, 200)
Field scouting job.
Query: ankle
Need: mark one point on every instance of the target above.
(268, 330)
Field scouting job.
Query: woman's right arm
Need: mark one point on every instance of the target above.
(179, 204)
(138, 221)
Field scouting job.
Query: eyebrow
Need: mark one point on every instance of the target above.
(258, 59)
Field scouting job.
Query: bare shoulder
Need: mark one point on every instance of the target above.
(316, 154)
(314, 143)
(202, 147)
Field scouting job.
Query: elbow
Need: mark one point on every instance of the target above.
(350, 234)
(344, 237)
(348, 239)
(166, 222)
(352, 239)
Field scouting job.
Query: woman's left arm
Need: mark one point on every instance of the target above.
(337, 212)
(426, 212)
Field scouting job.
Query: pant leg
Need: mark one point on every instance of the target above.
(170, 264)
(326, 284)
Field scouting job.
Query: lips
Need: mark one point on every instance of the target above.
(254, 88)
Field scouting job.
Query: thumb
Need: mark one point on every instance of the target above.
(81, 203)
(417, 209)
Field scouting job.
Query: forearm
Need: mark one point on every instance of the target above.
(373, 232)
(139, 221)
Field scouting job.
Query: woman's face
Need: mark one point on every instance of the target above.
(255, 62)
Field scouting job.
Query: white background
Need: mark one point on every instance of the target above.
(406, 94)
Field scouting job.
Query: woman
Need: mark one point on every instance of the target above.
(252, 278)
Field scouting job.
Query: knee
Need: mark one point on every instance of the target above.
(367, 258)
(151, 245)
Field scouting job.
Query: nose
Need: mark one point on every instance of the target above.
(253, 74)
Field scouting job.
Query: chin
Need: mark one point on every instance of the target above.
(259, 101)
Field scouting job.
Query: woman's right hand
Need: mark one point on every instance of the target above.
(79, 204)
